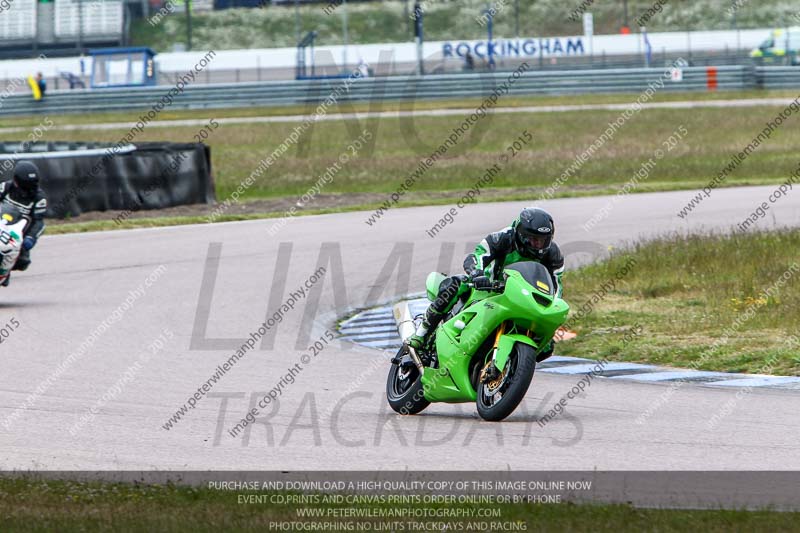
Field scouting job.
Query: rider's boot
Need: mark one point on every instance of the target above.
(429, 323)
(23, 261)
(448, 291)
(6, 281)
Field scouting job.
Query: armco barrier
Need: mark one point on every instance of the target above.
(778, 77)
(397, 88)
(81, 177)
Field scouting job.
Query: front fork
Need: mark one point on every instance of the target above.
(490, 370)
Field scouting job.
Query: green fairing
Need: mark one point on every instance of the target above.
(480, 317)
(505, 346)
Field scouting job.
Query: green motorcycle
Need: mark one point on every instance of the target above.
(485, 349)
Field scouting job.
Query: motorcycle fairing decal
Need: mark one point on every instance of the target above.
(542, 286)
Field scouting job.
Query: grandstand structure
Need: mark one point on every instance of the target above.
(61, 27)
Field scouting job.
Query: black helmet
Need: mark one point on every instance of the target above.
(26, 176)
(533, 232)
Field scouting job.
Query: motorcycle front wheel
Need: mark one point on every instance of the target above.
(498, 399)
(404, 388)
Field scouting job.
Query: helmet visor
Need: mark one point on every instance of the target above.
(27, 184)
(535, 241)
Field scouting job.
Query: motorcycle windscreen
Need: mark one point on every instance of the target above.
(9, 214)
(536, 274)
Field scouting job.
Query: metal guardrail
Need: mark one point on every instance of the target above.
(778, 77)
(304, 92)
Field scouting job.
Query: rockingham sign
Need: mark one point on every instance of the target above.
(501, 48)
(530, 47)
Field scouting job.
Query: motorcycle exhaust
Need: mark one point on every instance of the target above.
(406, 328)
(405, 322)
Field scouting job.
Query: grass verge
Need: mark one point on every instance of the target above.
(32, 506)
(731, 302)
(688, 161)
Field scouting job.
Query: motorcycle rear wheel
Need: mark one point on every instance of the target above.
(404, 390)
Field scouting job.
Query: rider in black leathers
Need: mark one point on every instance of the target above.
(24, 193)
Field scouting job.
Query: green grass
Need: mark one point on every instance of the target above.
(688, 291)
(714, 134)
(380, 22)
(34, 505)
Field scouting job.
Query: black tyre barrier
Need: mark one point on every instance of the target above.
(82, 177)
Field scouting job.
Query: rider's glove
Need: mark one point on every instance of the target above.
(481, 282)
(28, 242)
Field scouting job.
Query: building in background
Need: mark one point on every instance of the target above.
(61, 27)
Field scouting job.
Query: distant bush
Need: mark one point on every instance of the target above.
(391, 21)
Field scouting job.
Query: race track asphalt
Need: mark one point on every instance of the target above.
(334, 416)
